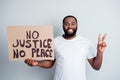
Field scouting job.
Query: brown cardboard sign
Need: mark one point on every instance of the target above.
(35, 42)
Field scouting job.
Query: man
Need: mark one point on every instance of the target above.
(71, 53)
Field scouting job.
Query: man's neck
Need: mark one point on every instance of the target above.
(69, 38)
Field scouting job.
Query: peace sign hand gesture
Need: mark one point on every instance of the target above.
(101, 43)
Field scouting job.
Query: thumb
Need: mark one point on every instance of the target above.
(35, 63)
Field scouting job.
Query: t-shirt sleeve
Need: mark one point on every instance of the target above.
(91, 52)
(55, 54)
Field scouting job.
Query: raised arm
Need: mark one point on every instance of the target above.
(97, 61)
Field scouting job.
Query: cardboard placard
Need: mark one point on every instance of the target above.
(35, 42)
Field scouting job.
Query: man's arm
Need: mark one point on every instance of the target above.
(43, 64)
(97, 61)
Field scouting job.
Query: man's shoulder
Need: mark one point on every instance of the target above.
(58, 37)
(57, 41)
(83, 39)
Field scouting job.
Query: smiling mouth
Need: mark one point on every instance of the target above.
(70, 31)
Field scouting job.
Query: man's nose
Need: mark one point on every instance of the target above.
(70, 26)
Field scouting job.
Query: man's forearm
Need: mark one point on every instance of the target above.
(45, 64)
(98, 61)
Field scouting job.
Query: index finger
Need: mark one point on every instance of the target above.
(103, 38)
(99, 37)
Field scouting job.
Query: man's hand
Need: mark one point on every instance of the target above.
(97, 61)
(31, 62)
(101, 43)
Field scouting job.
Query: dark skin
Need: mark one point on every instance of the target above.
(70, 24)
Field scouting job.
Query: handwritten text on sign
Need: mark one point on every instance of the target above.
(30, 42)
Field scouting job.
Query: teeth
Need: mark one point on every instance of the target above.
(70, 30)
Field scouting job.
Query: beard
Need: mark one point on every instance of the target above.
(68, 34)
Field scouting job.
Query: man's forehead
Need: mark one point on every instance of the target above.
(69, 18)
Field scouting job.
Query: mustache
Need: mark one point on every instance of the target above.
(71, 28)
(70, 35)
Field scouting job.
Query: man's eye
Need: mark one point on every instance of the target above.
(66, 24)
(73, 23)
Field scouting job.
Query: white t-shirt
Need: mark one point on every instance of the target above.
(71, 56)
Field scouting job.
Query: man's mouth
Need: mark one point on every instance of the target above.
(70, 31)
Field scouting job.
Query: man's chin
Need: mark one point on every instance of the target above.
(69, 35)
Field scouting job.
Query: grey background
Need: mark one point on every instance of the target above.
(94, 17)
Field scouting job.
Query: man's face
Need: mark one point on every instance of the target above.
(70, 27)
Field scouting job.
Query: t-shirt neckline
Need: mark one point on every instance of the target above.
(70, 39)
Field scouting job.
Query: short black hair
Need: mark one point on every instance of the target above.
(69, 16)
